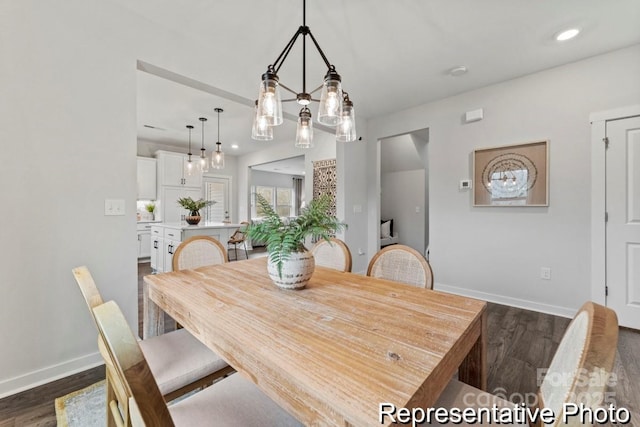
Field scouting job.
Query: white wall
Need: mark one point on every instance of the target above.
(401, 193)
(496, 253)
(68, 132)
(324, 148)
(353, 194)
(424, 154)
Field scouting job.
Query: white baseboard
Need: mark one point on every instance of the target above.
(42, 376)
(514, 302)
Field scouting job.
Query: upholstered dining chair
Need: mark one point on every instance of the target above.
(198, 251)
(233, 401)
(401, 263)
(332, 254)
(587, 348)
(239, 237)
(179, 362)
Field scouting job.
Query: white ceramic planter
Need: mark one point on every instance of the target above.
(296, 271)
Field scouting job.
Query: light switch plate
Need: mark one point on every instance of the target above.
(114, 207)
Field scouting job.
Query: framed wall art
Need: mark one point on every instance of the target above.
(513, 175)
(324, 181)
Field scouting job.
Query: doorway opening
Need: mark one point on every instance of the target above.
(404, 190)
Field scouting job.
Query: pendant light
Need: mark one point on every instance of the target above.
(204, 163)
(346, 129)
(332, 99)
(260, 130)
(304, 133)
(217, 157)
(192, 166)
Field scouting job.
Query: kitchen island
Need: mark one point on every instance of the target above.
(166, 237)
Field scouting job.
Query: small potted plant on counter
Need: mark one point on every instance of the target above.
(151, 208)
(290, 265)
(194, 206)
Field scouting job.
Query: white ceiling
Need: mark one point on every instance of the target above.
(402, 153)
(290, 166)
(392, 55)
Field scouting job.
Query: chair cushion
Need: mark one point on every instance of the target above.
(177, 359)
(233, 401)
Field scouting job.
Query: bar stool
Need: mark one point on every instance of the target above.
(239, 237)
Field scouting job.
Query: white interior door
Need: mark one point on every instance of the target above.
(217, 189)
(623, 224)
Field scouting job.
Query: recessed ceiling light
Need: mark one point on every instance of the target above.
(235, 146)
(458, 71)
(567, 34)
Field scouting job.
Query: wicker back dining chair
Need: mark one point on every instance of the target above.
(239, 237)
(233, 401)
(401, 263)
(578, 373)
(198, 251)
(179, 362)
(332, 254)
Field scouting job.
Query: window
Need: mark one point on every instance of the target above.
(283, 201)
(280, 199)
(268, 194)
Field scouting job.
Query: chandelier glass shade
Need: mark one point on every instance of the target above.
(330, 110)
(217, 157)
(260, 131)
(346, 129)
(269, 101)
(304, 133)
(332, 99)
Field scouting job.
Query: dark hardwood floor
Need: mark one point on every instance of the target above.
(35, 407)
(519, 342)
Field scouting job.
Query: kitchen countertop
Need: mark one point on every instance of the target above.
(199, 226)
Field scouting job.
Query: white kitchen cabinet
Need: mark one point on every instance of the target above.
(156, 249)
(146, 178)
(172, 170)
(144, 240)
(165, 239)
(169, 249)
(173, 184)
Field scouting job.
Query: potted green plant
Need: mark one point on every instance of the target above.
(290, 265)
(151, 208)
(194, 206)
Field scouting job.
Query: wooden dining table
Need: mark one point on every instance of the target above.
(332, 352)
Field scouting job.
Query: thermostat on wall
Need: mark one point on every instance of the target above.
(466, 184)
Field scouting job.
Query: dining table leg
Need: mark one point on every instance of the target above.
(153, 316)
(473, 369)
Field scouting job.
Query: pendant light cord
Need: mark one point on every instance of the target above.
(189, 141)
